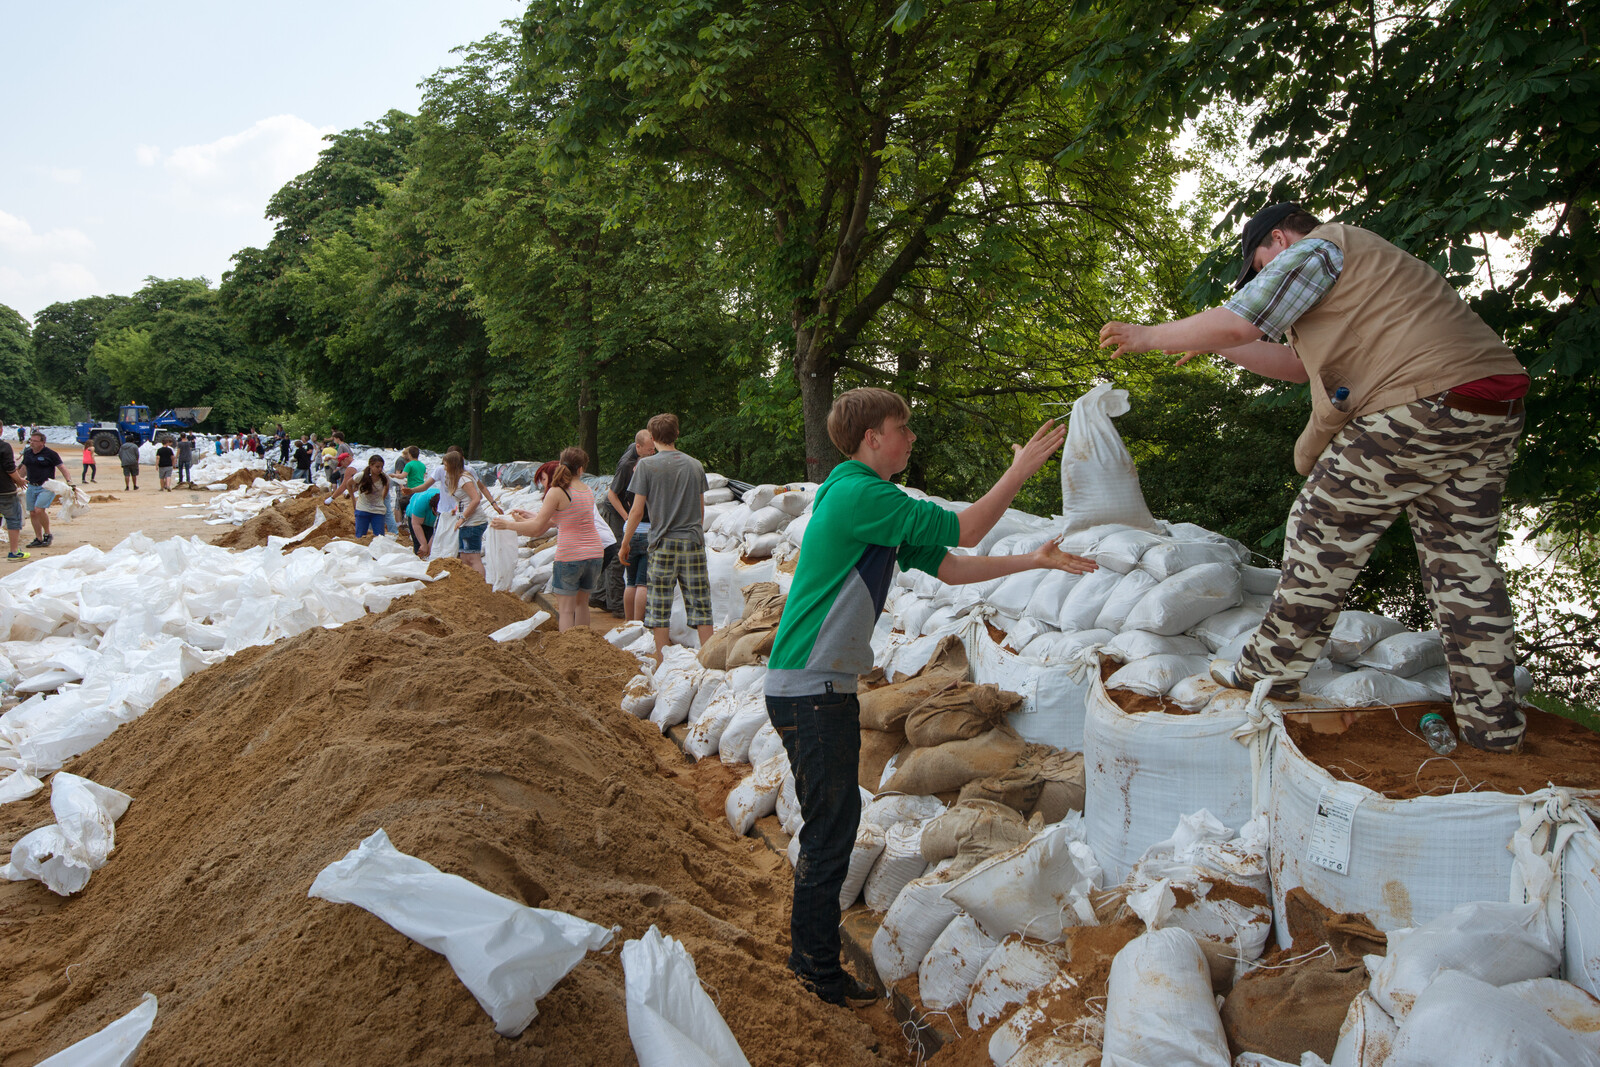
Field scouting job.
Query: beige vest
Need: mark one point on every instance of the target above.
(1391, 330)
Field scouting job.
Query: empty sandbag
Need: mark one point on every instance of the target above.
(672, 1022)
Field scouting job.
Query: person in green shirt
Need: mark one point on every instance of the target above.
(861, 526)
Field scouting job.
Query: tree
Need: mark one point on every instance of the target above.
(870, 158)
(22, 398)
(63, 337)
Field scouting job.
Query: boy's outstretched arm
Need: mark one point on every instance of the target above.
(980, 518)
(963, 570)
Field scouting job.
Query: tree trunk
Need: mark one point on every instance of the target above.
(475, 402)
(815, 372)
(589, 423)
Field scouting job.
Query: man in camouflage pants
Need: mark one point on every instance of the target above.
(1416, 407)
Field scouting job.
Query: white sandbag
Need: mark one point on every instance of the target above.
(1216, 631)
(1049, 595)
(1493, 941)
(676, 681)
(1098, 481)
(795, 502)
(760, 546)
(1405, 654)
(1039, 889)
(1366, 689)
(672, 1022)
(1159, 1007)
(499, 558)
(900, 862)
(913, 922)
(639, 698)
(1127, 595)
(1053, 1050)
(1356, 631)
(1573, 1009)
(1164, 560)
(1260, 581)
(789, 809)
(706, 733)
(1194, 692)
(1012, 972)
(1483, 1025)
(18, 785)
(1153, 676)
(506, 954)
(1051, 712)
(863, 856)
(1366, 1036)
(1086, 598)
(710, 685)
(765, 744)
(115, 1045)
(1066, 647)
(1013, 595)
(759, 497)
(65, 853)
(716, 481)
(718, 496)
(446, 540)
(1410, 861)
(765, 520)
(913, 614)
(941, 621)
(625, 635)
(757, 795)
(952, 963)
(1181, 601)
(1122, 549)
(748, 718)
(1137, 644)
(883, 812)
(1024, 632)
(516, 631)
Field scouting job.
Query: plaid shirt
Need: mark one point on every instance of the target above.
(1289, 286)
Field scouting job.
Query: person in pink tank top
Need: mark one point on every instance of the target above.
(569, 507)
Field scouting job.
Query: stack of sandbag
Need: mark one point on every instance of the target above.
(747, 640)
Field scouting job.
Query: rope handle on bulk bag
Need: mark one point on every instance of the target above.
(1550, 819)
(1258, 733)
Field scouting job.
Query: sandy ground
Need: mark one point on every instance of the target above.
(109, 521)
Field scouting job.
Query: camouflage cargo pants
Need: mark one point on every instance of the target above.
(1446, 468)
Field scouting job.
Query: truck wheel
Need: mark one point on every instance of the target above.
(105, 443)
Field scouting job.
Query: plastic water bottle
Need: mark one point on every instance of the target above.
(1436, 731)
(1341, 397)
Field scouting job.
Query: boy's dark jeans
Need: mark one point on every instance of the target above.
(822, 735)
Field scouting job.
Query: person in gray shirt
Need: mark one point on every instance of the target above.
(129, 454)
(672, 485)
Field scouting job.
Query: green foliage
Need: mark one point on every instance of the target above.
(170, 345)
(22, 398)
(63, 337)
(1557, 629)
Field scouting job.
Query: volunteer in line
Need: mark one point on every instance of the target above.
(42, 463)
(1416, 406)
(861, 526)
(569, 507)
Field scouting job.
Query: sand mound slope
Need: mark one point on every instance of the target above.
(506, 764)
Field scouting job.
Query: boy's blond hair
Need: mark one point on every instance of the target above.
(859, 410)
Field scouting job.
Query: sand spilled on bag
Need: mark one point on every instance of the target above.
(507, 764)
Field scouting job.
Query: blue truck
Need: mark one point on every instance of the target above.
(135, 424)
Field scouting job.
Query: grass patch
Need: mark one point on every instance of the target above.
(1578, 713)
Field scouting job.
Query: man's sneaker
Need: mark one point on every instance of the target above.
(49, 539)
(1225, 672)
(847, 992)
(17, 557)
(37, 542)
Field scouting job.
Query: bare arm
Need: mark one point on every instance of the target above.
(475, 495)
(616, 502)
(964, 570)
(1266, 359)
(979, 519)
(537, 524)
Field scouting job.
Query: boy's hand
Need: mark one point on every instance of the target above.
(1027, 459)
(1050, 557)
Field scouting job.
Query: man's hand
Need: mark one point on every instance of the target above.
(1049, 556)
(500, 522)
(622, 552)
(1046, 440)
(1126, 336)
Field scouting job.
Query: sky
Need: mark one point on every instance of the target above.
(145, 138)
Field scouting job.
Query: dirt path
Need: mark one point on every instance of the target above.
(110, 520)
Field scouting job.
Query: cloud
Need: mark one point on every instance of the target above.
(237, 173)
(37, 269)
(17, 240)
(62, 175)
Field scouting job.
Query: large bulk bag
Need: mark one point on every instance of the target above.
(1051, 712)
(1143, 772)
(1580, 910)
(1410, 861)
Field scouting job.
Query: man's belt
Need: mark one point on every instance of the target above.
(1481, 405)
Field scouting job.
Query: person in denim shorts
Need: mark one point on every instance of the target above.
(11, 503)
(636, 571)
(569, 507)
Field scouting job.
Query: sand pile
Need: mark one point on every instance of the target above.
(507, 764)
(1384, 751)
(285, 518)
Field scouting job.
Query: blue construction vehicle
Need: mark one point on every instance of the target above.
(135, 424)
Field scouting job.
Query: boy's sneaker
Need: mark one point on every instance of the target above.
(17, 557)
(1225, 672)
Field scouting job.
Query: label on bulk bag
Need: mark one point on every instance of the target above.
(1330, 830)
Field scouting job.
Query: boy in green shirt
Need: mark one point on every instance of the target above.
(860, 526)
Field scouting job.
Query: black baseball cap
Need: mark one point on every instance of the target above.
(1258, 229)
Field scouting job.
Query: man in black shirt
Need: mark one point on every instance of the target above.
(164, 467)
(635, 572)
(10, 503)
(42, 463)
